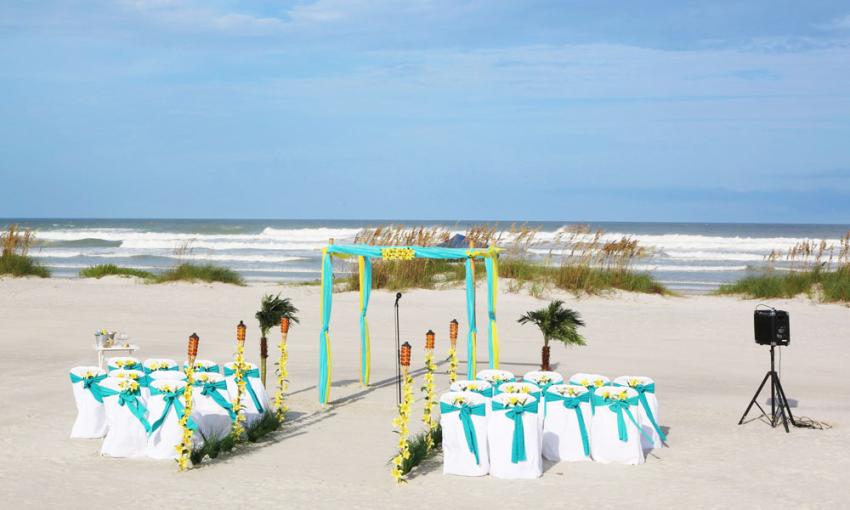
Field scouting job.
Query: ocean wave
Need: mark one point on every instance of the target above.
(661, 268)
(217, 257)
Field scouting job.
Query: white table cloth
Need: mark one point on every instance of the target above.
(463, 418)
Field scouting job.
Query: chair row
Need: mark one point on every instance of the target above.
(138, 414)
(158, 365)
(507, 428)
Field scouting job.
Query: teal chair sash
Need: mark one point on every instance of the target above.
(574, 403)
(466, 413)
(621, 407)
(214, 369)
(590, 389)
(166, 369)
(171, 399)
(127, 366)
(211, 389)
(255, 374)
(642, 390)
(130, 400)
(91, 384)
(516, 413)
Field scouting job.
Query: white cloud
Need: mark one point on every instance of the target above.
(839, 23)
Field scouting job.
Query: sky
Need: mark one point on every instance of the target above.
(715, 111)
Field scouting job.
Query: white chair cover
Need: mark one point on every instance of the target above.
(213, 420)
(564, 436)
(126, 435)
(136, 375)
(91, 416)
(495, 377)
(483, 388)
(646, 386)
(252, 412)
(159, 364)
(606, 444)
(123, 362)
(166, 375)
(542, 378)
(166, 432)
(459, 449)
(590, 381)
(501, 429)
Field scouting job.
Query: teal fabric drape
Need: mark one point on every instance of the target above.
(516, 413)
(324, 338)
(472, 334)
(254, 373)
(365, 348)
(574, 403)
(642, 390)
(130, 400)
(492, 331)
(172, 400)
(91, 384)
(212, 390)
(466, 413)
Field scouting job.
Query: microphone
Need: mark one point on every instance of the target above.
(397, 297)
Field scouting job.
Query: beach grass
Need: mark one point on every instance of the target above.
(13, 264)
(194, 272)
(826, 286)
(14, 253)
(419, 448)
(101, 270)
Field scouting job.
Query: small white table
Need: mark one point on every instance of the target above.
(129, 349)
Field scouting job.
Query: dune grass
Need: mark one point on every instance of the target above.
(21, 265)
(827, 286)
(193, 273)
(419, 448)
(101, 270)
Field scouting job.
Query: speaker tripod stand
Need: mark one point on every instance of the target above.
(780, 413)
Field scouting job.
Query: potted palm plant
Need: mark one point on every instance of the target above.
(272, 310)
(556, 323)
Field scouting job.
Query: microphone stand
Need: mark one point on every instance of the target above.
(397, 349)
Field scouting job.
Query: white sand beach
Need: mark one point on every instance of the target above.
(699, 350)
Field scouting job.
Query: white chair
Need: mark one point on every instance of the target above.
(614, 431)
(212, 409)
(566, 430)
(463, 418)
(123, 363)
(653, 436)
(483, 388)
(495, 377)
(544, 379)
(136, 375)
(126, 417)
(165, 408)
(525, 388)
(166, 375)
(513, 437)
(590, 381)
(255, 400)
(159, 364)
(204, 365)
(91, 416)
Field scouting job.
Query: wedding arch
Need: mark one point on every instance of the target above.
(364, 255)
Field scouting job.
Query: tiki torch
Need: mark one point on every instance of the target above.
(404, 359)
(194, 340)
(240, 334)
(453, 333)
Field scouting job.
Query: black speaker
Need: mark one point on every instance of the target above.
(772, 327)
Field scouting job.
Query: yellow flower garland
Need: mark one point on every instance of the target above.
(452, 365)
(401, 423)
(238, 370)
(184, 449)
(282, 384)
(430, 398)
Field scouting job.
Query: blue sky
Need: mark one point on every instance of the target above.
(445, 109)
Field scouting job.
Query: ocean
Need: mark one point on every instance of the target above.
(687, 257)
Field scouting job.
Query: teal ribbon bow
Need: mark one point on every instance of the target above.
(516, 413)
(171, 399)
(590, 389)
(642, 390)
(130, 400)
(255, 373)
(211, 389)
(91, 384)
(621, 407)
(466, 413)
(166, 369)
(574, 403)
